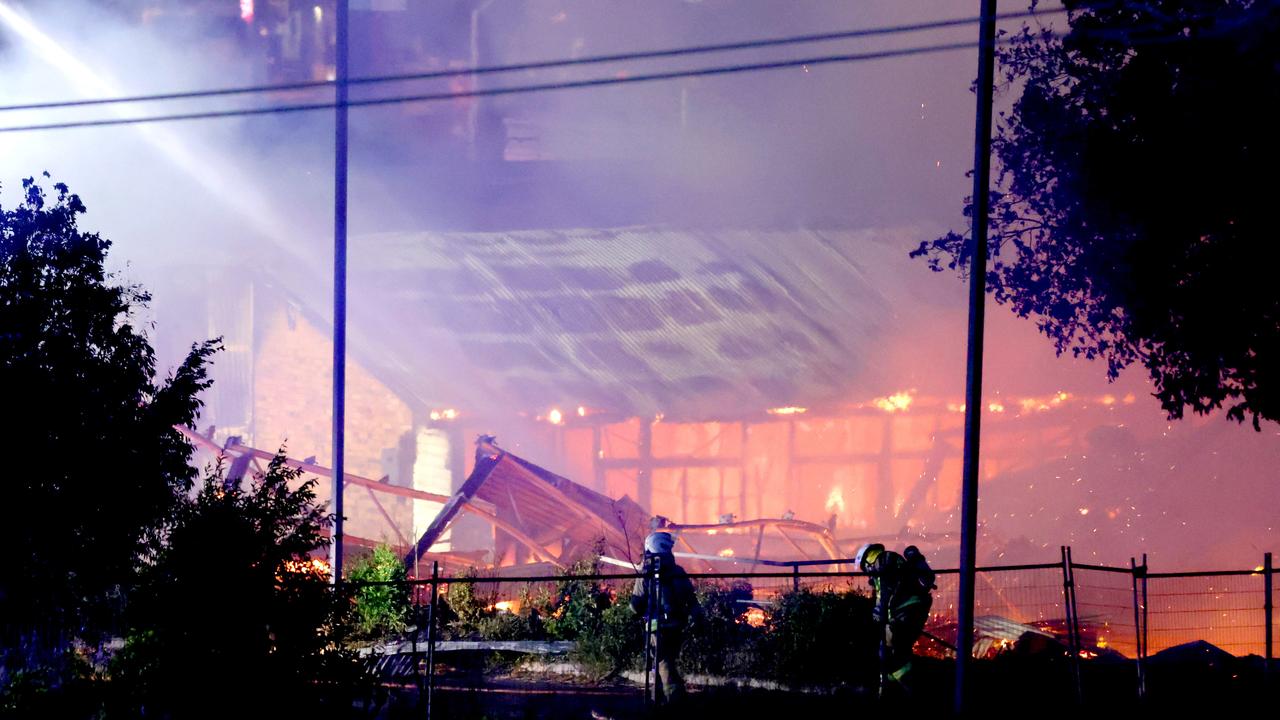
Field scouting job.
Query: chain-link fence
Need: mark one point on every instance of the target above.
(1093, 633)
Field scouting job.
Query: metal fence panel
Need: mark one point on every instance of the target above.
(1225, 611)
(1104, 606)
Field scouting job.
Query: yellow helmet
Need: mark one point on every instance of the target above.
(867, 554)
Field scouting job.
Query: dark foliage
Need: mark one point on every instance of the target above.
(93, 465)
(806, 630)
(234, 614)
(1132, 212)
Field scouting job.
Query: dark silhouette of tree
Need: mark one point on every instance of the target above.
(1132, 214)
(92, 465)
(233, 613)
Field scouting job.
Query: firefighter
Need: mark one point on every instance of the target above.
(902, 597)
(665, 598)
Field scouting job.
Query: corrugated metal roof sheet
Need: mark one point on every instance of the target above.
(692, 324)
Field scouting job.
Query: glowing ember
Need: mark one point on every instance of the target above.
(582, 411)
(895, 402)
(835, 500)
(727, 552)
(1084, 511)
(786, 410)
(445, 414)
(318, 566)
(510, 606)
(996, 407)
(755, 617)
(555, 417)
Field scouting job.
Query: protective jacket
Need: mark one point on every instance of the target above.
(901, 605)
(897, 587)
(676, 597)
(668, 603)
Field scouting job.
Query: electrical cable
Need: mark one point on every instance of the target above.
(512, 90)
(565, 85)
(536, 65)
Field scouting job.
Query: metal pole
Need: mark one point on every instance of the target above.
(1267, 612)
(417, 630)
(339, 284)
(1068, 601)
(431, 634)
(650, 659)
(1075, 624)
(973, 377)
(1137, 629)
(1144, 607)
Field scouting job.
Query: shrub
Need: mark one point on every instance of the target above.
(234, 615)
(615, 645)
(381, 609)
(819, 637)
(577, 608)
(721, 642)
(463, 608)
(503, 625)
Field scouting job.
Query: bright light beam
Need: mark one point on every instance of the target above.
(221, 179)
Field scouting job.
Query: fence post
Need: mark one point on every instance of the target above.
(795, 576)
(1137, 628)
(1267, 612)
(1145, 606)
(416, 589)
(431, 634)
(1069, 601)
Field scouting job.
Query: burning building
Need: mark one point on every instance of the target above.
(705, 376)
(692, 294)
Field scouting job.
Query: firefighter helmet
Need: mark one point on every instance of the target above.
(659, 543)
(867, 554)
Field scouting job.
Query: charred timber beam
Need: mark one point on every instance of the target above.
(236, 451)
(515, 532)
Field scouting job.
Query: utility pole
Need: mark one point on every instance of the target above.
(973, 377)
(339, 283)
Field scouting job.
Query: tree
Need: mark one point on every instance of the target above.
(1131, 214)
(92, 463)
(235, 612)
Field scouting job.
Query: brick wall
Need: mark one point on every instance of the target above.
(292, 405)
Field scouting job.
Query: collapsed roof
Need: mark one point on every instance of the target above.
(558, 521)
(706, 324)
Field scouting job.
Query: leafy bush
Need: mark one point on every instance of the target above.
(803, 637)
(614, 645)
(503, 625)
(71, 687)
(381, 609)
(233, 614)
(721, 642)
(819, 637)
(93, 465)
(577, 608)
(463, 607)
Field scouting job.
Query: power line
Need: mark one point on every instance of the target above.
(538, 65)
(513, 90)
(578, 84)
